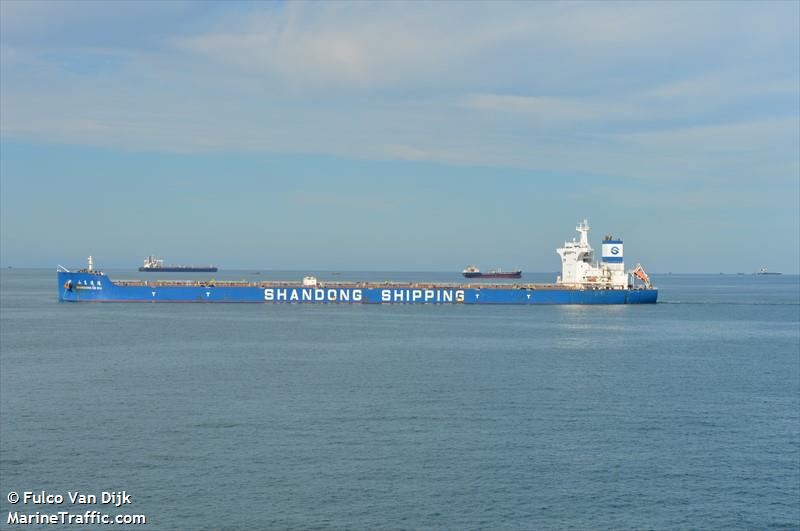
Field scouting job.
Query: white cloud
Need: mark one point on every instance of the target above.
(378, 45)
(559, 110)
(730, 137)
(623, 89)
(330, 45)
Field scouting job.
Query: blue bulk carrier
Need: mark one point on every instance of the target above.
(582, 282)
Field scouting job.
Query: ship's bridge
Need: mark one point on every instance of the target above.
(578, 266)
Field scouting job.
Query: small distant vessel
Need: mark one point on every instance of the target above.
(155, 265)
(764, 271)
(473, 272)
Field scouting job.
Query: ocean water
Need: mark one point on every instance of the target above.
(684, 414)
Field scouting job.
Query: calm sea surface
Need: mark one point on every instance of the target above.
(684, 414)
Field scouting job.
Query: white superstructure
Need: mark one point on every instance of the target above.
(151, 262)
(579, 268)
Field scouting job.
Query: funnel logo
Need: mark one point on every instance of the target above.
(615, 250)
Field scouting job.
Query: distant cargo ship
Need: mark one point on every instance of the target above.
(154, 265)
(473, 272)
(764, 271)
(583, 280)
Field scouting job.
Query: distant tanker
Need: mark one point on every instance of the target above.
(474, 272)
(153, 265)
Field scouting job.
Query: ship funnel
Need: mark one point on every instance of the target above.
(612, 251)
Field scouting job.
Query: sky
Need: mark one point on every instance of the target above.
(399, 135)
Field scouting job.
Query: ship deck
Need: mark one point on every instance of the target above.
(363, 285)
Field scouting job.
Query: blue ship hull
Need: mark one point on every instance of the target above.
(86, 286)
(178, 269)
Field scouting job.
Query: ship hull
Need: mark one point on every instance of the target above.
(511, 274)
(97, 287)
(178, 269)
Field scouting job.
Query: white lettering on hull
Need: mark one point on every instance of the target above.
(394, 295)
(418, 295)
(312, 295)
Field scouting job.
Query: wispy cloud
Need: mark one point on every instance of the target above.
(644, 90)
(335, 45)
(729, 137)
(365, 202)
(555, 110)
